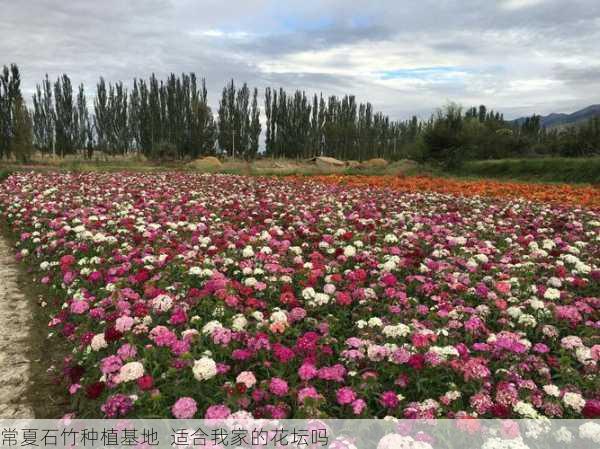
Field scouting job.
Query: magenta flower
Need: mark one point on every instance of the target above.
(278, 387)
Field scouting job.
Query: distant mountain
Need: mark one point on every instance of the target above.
(557, 120)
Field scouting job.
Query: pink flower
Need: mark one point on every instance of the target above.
(110, 364)
(503, 287)
(358, 406)
(246, 378)
(79, 307)
(389, 399)
(218, 411)
(345, 395)
(117, 405)
(162, 336)
(127, 351)
(124, 323)
(184, 408)
(307, 371)
(278, 387)
(334, 373)
(308, 393)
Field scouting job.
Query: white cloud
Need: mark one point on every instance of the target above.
(519, 4)
(518, 56)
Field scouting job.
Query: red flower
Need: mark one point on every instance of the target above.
(500, 411)
(75, 373)
(591, 409)
(416, 361)
(112, 334)
(146, 382)
(94, 390)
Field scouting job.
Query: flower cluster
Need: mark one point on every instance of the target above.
(209, 296)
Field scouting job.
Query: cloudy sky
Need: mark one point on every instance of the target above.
(517, 56)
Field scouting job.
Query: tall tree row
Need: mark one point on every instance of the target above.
(171, 119)
(297, 126)
(16, 137)
(239, 124)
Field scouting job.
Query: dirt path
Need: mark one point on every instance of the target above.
(15, 342)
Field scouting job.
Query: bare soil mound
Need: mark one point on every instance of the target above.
(374, 163)
(327, 162)
(205, 163)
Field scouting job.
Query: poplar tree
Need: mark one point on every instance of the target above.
(21, 144)
(255, 126)
(44, 117)
(84, 126)
(10, 93)
(66, 116)
(101, 116)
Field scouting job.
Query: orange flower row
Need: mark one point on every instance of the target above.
(549, 193)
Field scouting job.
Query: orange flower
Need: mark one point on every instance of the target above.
(548, 193)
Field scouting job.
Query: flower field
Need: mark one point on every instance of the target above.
(203, 296)
(564, 194)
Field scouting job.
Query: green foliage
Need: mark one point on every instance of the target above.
(164, 152)
(336, 127)
(66, 120)
(21, 145)
(10, 94)
(44, 117)
(176, 111)
(239, 122)
(545, 169)
(447, 137)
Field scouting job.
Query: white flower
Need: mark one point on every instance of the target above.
(361, 324)
(527, 320)
(397, 441)
(308, 293)
(239, 322)
(349, 251)
(552, 390)
(399, 330)
(501, 443)
(389, 266)
(195, 271)
(321, 299)
(536, 304)
(375, 322)
(98, 342)
(130, 371)
(563, 435)
(248, 252)
(552, 293)
(584, 355)
(209, 327)
(574, 401)
(514, 312)
(525, 409)
(590, 431)
(204, 369)
(278, 317)
(482, 258)
(250, 282)
(390, 238)
(445, 351)
(583, 268)
(162, 303)
(554, 282)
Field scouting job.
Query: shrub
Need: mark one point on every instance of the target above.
(164, 152)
